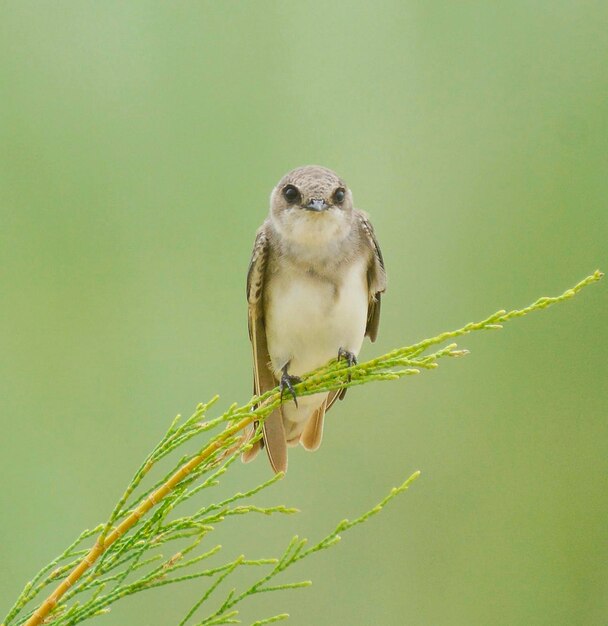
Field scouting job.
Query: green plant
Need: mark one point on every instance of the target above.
(127, 556)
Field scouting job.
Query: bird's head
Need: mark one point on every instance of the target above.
(311, 201)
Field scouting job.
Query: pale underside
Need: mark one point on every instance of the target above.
(307, 320)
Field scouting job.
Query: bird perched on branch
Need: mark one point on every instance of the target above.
(313, 287)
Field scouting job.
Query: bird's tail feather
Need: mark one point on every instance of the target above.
(313, 430)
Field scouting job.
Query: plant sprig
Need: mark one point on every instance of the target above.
(126, 557)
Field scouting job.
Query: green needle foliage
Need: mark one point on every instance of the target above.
(136, 559)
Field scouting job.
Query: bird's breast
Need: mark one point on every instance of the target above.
(310, 315)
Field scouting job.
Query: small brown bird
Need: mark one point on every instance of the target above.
(313, 288)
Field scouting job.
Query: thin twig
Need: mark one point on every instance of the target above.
(395, 364)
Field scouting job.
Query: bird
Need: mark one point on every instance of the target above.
(314, 288)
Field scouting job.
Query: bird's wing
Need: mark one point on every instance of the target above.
(376, 277)
(263, 378)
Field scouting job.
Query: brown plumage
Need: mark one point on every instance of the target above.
(314, 287)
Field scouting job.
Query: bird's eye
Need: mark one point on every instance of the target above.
(291, 193)
(339, 195)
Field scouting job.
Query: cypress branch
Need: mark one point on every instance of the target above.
(125, 557)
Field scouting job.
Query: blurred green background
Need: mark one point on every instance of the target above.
(139, 144)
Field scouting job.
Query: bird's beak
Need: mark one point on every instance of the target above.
(317, 205)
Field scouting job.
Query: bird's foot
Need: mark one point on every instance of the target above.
(349, 357)
(287, 382)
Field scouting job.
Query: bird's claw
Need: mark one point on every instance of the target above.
(349, 357)
(287, 382)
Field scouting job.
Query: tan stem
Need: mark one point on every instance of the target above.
(152, 500)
